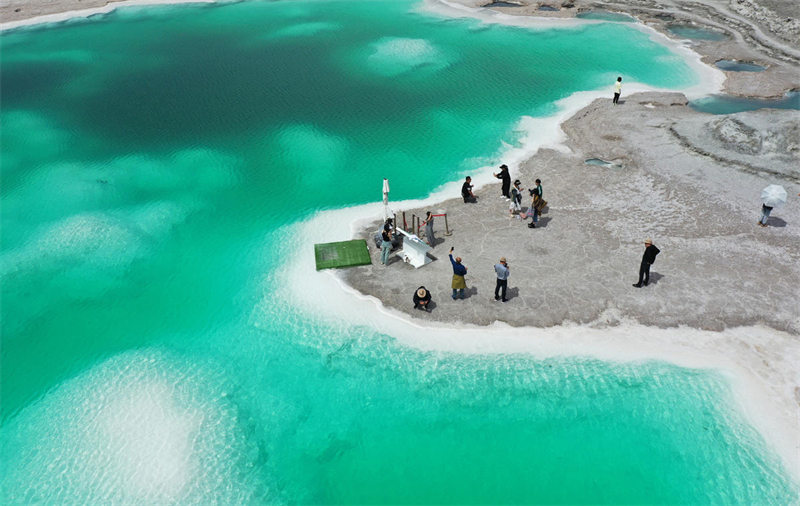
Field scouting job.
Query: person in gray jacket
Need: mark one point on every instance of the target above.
(502, 271)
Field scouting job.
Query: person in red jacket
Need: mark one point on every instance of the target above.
(650, 252)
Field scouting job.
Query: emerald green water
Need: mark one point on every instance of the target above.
(155, 165)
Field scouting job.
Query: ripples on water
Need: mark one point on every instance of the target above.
(155, 163)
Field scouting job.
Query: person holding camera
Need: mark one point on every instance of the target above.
(459, 271)
(502, 271)
(506, 178)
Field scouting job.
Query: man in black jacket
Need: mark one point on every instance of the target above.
(506, 178)
(466, 191)
(422, 297)
(650, 252)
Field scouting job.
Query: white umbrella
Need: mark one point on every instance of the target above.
(386, 199)
(773, 195)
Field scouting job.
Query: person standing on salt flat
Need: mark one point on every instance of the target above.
(649, 256)
(459, 271)
(516, 199)
(502, 271)
(386, 244)
(429, 229)
(506, 177)
(617, 90)
(771, 196)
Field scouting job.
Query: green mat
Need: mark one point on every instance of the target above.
(341, 254)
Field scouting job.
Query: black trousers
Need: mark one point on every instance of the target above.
(644, 273)
(501, 283)
(506, 189)
(616, 97)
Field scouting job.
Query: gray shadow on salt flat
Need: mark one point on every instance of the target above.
(655, 277)
(438, 241)
(431, 306)
(776, 222)
(512, 293)
(543, 221)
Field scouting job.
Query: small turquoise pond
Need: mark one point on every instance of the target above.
(696, 33)
(739, 66)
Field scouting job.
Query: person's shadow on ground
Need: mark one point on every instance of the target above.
(512, 293)
(470, 291)
(438, 241)
(543, 221)
(655, 278)
(776, 222)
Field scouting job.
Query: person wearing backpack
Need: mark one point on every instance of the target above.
(649, 257)
(534, 210)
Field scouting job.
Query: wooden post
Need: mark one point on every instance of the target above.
(446, 227)
(405, 225)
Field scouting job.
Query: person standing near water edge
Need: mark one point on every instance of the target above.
(429, 229)
(617, 90)
(506, 177)
(459, 271)
(649, 256)
(386, 244)
(502, 271)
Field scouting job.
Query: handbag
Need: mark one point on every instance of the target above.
(540, 205)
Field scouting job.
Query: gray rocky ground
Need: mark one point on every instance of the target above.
(678, 183)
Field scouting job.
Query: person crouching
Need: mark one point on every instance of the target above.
(422, 297)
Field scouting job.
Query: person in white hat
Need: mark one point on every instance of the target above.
(422, 297)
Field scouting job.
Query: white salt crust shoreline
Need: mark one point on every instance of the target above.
(85, 13)
(764, 392)
(765, 395)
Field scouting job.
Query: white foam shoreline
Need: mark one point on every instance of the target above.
(85, 13)
(765, 395)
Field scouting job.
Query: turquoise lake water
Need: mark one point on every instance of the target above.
(155, 165)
